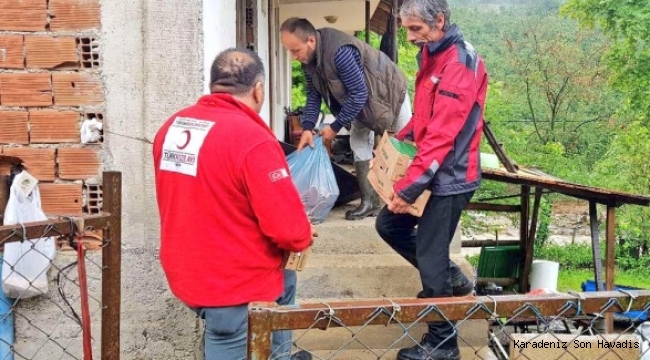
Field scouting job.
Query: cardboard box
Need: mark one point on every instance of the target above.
(393, 157)
(296, 260)
(389, 166)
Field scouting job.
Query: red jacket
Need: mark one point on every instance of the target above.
(227, 204)
(447, 125)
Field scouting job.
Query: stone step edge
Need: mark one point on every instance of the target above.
(318, 261)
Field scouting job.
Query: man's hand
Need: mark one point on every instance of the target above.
(306, 138)
(328, 134)
(397, 205)
(314, 234)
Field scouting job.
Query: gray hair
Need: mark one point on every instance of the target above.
(425, 10)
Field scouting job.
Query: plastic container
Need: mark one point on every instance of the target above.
(634, 315)
(489, 161)
(543, 275)
(499, 261)
(643, 332)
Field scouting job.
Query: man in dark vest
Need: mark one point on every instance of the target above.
(360, 85)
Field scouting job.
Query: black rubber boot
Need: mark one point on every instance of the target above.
(369, 199)
(427, 351)
(301, 355)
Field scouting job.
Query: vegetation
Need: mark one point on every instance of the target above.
(569, 94)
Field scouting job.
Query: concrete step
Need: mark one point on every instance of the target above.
(336, 217)
(362, 276)
(349, 239)
(357, 276)
(340, 236)
(466, 353)
(472, 334)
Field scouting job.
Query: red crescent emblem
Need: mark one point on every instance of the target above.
(182, 145)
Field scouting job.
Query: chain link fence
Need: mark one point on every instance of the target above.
(548, 327)
(59, 295)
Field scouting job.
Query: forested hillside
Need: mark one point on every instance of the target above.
(569, 90)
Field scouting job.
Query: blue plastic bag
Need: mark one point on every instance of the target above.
(312, 173)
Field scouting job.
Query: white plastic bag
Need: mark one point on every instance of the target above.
(90, 131)
(25, 263)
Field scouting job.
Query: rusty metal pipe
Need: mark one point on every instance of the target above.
(259, 330)
(38, 229)
(267, 317)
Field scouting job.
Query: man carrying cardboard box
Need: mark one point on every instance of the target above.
(450, 91)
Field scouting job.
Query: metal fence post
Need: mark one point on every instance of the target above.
(111, 266)
(259, 331)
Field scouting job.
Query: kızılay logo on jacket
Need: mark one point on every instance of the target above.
(183, 139)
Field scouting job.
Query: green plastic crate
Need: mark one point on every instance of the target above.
(499, 262)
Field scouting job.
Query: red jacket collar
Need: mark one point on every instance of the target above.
(227, 101)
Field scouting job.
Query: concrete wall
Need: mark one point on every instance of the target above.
(157, 56)
(153, 66)
(49, 83)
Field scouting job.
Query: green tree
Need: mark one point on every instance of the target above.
(626, 165)
(627, 24)
(558, 70)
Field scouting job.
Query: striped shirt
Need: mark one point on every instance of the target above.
(350, 71)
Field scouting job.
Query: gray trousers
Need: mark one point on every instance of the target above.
(362, 139)
(226, 328)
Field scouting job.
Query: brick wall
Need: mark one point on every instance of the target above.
(49, 83)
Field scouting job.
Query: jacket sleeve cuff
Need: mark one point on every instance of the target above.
(399, 190)
(336, 126)
(307, 126)
(405, 134)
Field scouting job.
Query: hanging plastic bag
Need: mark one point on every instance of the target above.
(312, 173)
(90, 131)
(25, 263)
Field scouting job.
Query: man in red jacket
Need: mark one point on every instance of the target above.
(446, 127)
(228, 207)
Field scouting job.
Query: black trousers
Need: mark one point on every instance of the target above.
(427, 248)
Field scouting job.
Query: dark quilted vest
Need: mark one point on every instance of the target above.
(385, 81)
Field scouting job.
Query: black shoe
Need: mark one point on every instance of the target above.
(425, 351)
(457, 289)
(301, 355)
(464, 289)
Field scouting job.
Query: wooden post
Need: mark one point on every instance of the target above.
(526, 245)
(395, 29)
(112, 266)
(4, 195)
(610, 265)
(367, 21)
(532, 232)
(595, 245)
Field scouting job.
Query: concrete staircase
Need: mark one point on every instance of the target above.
(350, 261)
